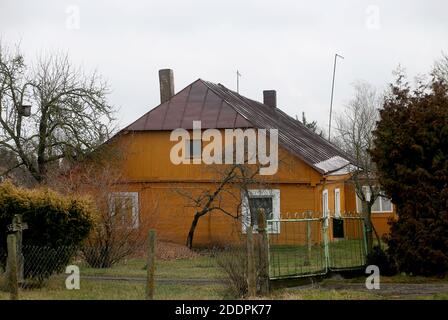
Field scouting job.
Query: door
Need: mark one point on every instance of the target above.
(338, 223)
(337, 203)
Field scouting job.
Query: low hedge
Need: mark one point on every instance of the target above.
(54, 221)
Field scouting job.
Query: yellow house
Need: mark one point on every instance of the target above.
(313, 175)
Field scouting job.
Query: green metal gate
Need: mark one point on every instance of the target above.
(310, 245)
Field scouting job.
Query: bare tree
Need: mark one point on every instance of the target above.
(441, 68)
(355, 127)
(119, 229)
(231, 182)
(8, 165)
(69, 114)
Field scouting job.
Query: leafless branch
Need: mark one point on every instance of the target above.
(70, 114)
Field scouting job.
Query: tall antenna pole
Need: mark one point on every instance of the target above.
(238, 75)
(332, 91)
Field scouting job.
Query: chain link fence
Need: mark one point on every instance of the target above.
(37, 264)
(95, 273)
(3, 257)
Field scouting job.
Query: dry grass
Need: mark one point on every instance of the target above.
(172, 251)
(117, 290)
(318, 294)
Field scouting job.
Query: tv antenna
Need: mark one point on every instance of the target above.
(238, 75)
(332, 90)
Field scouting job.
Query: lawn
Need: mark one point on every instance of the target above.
(203, 267)
(124, 290)
(118, 290)
(195, 278)
(93, 290)
(329, 289)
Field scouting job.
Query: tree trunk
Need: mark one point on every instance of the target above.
(378, 239)
(194, 223)
(366, 211)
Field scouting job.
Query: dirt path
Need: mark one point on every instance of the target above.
(390, 290)
(163, 281)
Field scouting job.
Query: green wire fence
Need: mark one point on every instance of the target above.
(312, 245)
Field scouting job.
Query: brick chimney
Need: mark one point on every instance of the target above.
(166, 79)
(270, 98)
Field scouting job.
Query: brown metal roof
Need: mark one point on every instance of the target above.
(219, 107)
(195, 102)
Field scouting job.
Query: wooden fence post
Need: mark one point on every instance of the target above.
(151, 264)
(18, 226)
(308, 239)
(264, 252)
(251, 272)
(13, 279)
(325, 229)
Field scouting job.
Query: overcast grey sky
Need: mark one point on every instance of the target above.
(288, 46)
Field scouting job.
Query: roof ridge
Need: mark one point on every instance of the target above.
(160, 104)
(294, 121)
(290, 122)
(224, 99)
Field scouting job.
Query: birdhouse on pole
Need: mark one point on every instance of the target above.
(25, 110)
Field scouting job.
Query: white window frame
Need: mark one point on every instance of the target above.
(380, 199)
(135, 208)
(325, 207)
(337, 202)
(259, 193)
